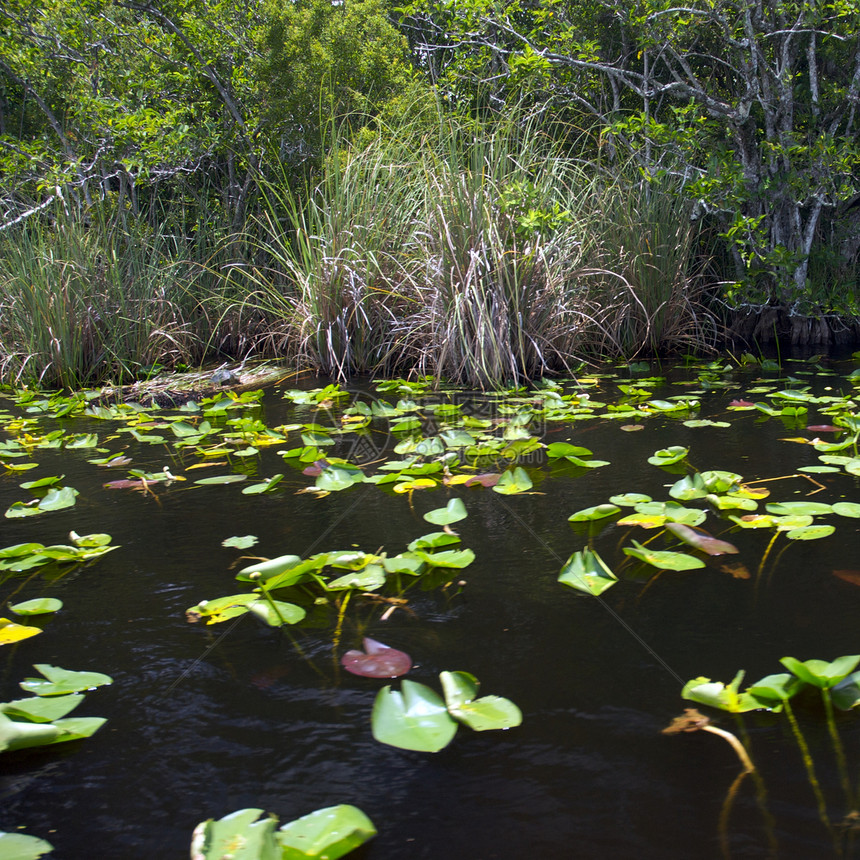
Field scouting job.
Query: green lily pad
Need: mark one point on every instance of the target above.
(481, 714)
(276, 613)
(810, 532)
(668, 456)
(453, 512)
(222, 479)
(820, 673)
(412, 718)
(597, 512)
(513, 481)
(241, 541)
(58, 682)
(813, 509)
(36, 709)
(586, 571)
(326, 834)
(663, 559)
(20, 846)
(37, 606)
(628, 500)
(847, 509)
(238, 835)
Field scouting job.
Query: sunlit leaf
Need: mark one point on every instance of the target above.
(479, 713)
(663, 559)
(222, 479)
(240, 541)
(327, 834)
(513, 481)
(412, 718)
(20, 846)
(586, 571)
(37, 606)
(11, 632)
(58, 682)
(719, 695)
(810, 532)
(597, 512)
(820, 673)
(812, 509)
(453, 512)
(668, 456)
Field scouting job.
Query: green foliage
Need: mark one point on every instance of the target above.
(323, 61)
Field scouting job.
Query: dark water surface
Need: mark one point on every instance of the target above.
(206, 720)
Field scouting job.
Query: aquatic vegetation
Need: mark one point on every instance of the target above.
(20, 846)
(41, 719)
(416, 717)
(326, 834)
(376, 661)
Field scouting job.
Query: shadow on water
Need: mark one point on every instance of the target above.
(204, 720)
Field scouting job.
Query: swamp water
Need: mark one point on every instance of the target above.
(205, 719)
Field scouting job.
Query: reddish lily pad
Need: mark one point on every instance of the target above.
(488, 479)
(700, 539)
(379, 661)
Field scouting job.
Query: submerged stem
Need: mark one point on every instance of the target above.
(736, 745)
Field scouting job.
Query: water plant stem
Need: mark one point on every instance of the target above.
(810, 771)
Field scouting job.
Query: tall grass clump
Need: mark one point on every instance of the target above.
(82, 303)
(328, 273)
(656, 299)
(497, 288)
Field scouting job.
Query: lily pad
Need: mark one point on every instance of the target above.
(376, 661)
(663, 559)
(700, 539)
(326, 834)
(222, 479)
(586, 571)
(11, 632)
(668, 456)
(37, 606)
(597, 512)
(59, 682)
(479, 713)
(513, 481)
(412, 718)
(453, 512)
(20, 846)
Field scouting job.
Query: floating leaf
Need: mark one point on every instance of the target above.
(810, 532)
(812, 509)
(37, 606)
(629, 499)
(663, 559)
(326, 834)
(58, 682)
(20, 846)
(222, 479)
(238, 835)
(368, 579)
(847, 509)
(586, 571)
(668, 456)
(513, 481)
(376, 661)
(41, 710)
(453, 512)
(240, 541)
(480, 714)
(11, 632)
(276, 613)
(597, 512)
(412, 718)
(700, 539)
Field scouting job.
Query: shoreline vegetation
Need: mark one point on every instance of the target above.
(483, 260)
(487, 195)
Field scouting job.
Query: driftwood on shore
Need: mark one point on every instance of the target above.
(176, 389)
